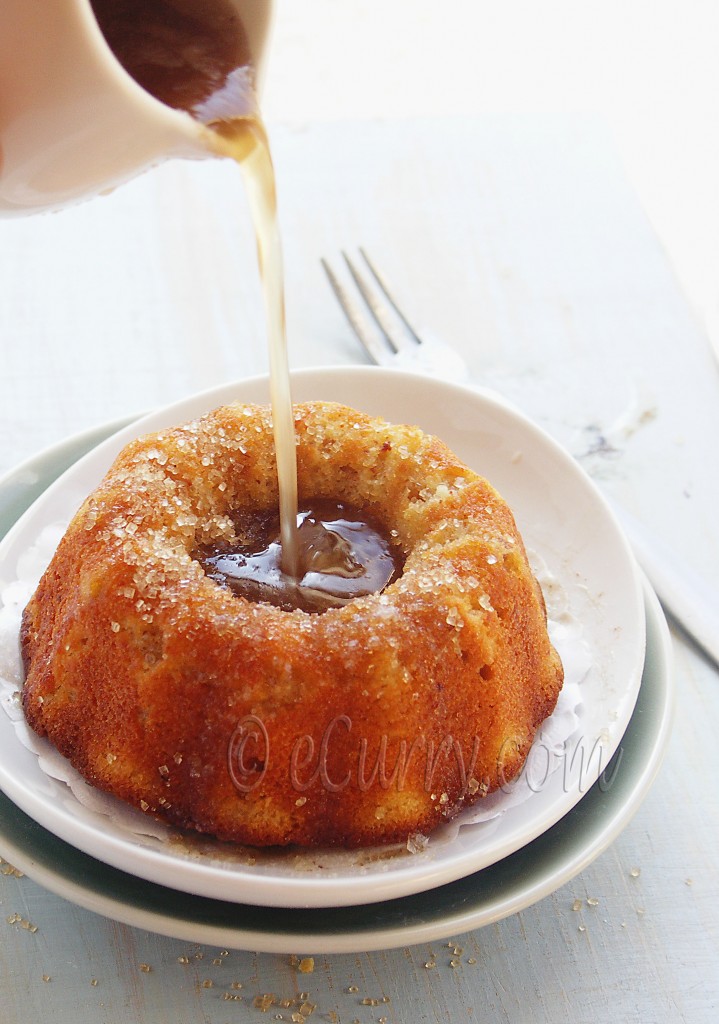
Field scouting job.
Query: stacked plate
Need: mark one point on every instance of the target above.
(464, 878)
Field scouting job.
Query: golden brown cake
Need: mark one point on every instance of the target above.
(360, 725)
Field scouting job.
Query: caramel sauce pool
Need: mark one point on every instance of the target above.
(342, 556)
(193, 55)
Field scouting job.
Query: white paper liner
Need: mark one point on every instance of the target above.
(547, 755)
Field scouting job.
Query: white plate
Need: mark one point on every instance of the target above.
(562, 518)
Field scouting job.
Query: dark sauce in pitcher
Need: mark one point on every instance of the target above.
(190, 54)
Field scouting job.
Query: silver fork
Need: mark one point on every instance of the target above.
(690, 599)
(393, 341)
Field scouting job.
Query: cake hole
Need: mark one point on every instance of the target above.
(343, 554)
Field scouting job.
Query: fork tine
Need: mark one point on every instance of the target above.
(395, 340)
(374, 349)
(388, 295)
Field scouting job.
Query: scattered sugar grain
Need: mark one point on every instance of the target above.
(23, 922)
(417, 842)
(10, 870)
(454, 618)
(264, 1002)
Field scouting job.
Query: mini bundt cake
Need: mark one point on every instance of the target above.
(361, 724)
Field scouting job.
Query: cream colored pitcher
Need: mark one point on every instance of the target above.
(73, 122)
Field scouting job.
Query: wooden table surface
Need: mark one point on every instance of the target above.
(518, 240)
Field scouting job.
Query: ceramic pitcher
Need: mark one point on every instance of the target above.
(73, 122)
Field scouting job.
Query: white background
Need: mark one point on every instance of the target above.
(649, 67)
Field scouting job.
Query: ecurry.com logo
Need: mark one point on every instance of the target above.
(340, 760)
